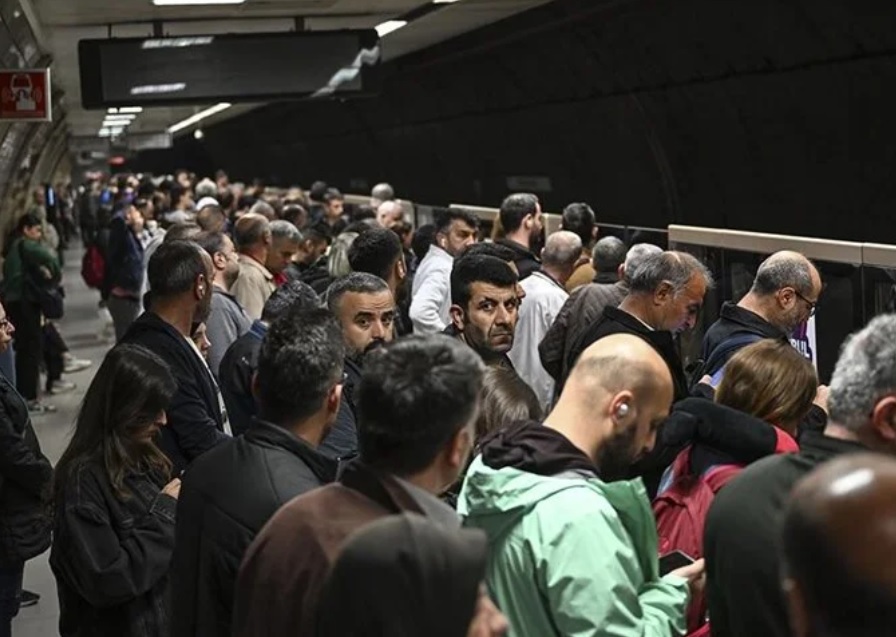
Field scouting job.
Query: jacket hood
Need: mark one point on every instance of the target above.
(530, 446)
(700, 422)
(520, 466)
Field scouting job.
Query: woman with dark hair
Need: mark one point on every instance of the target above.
(405, 576)
(25, 477)
(115, 503)
(28, 265)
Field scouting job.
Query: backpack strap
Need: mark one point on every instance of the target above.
(720, 475)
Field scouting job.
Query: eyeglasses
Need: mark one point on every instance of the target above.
(812, 305)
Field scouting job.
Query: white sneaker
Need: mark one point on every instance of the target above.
(62, 386)
(73, 364)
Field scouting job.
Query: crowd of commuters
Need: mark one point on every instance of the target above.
(320, 420)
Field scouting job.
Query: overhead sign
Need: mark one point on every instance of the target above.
(25, 95)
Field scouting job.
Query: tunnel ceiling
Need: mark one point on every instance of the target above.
(768, 115)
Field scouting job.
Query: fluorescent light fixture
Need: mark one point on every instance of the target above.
(152, 89)
(129, 109)
(198, 117)
(103, 132)
(444, 1)
(177, 43)
(389, 26)
(125, 118)
(186, 3)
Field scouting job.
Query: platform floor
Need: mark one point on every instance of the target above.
(82, 331)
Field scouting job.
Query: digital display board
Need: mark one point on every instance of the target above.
(234, 68)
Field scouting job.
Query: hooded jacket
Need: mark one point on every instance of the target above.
(570, 555)
(526, 260)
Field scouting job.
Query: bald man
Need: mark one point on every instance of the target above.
(255, 283)
(389, 213)
(545, 294)
(571, 551)
(743, 526)
(784, 295)
(840, 576)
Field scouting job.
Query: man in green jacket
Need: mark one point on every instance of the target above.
(573, 553)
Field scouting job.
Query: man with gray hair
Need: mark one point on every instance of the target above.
(389, 213)
(365, 307)
(380, 194)
(744, 523)
(545, 295)
(664, 298)
(255, 283)
(587, 304)
(285, 242)
(784, 295)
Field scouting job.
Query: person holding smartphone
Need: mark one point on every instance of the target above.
(115, 503)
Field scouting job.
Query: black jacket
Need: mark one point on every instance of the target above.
(195, 421)
(227, 496)
(734, 320)
(616, 321)
(235, 375)
(25, 476)
(342, 439)
(741, 540)
(124, 259)
(525, 259)
(111, 557)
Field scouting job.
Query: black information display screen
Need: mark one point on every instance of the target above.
(233, 68)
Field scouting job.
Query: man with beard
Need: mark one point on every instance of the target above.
(378, 252)
(783, 296)
(365, 308)
(521, 219)
(227, 320)
(484, 307)
(285, 242)
(180, 276)
(571, 551)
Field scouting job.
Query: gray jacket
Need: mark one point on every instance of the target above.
(226, 323)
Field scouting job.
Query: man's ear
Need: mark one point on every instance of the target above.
(401, 269)
(334, 398)
(663, 293)
(883, 418)
(458, 317)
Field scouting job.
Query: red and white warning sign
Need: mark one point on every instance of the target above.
(25, 95)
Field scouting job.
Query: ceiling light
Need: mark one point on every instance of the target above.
(129, 109)
(389, 26)
(443, 1)
(186, 3)
(198, 117)
(125, 118)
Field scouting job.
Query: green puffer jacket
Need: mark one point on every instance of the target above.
(35, 255)
(571, 555)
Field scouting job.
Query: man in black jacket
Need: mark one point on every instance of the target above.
(241, 359)
(180, 275)
(665, 296)
(523, 228)
(743, 526)
(365, 307)
(231, 492)
(784, 295)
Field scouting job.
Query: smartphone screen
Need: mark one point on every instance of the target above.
(674, 560)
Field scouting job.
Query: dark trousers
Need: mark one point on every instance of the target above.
(10, 592)
(54, 350)
(25, 315)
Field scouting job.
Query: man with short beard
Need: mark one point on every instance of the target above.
(573, 547)
(365, 307)
(180, 276)
(484, 307)
(521, 219)
(227, 320)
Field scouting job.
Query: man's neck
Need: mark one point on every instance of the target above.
(310, 430)
(175, 314)
(559, 277)
(559, 420)
(430, 480)
(520, 237)
(833, 430)
(758, 306)
(257, 254)
(640, 308)
(220, 281)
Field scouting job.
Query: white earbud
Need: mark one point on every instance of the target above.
(622, 410)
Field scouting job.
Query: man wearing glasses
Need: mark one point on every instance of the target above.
(784, 295)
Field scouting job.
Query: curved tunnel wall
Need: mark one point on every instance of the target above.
(773, 115)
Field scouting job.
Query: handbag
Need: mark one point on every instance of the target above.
(49, 295)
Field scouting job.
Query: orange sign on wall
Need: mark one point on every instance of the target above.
(25, 95)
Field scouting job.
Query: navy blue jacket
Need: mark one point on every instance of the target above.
(124, 259)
